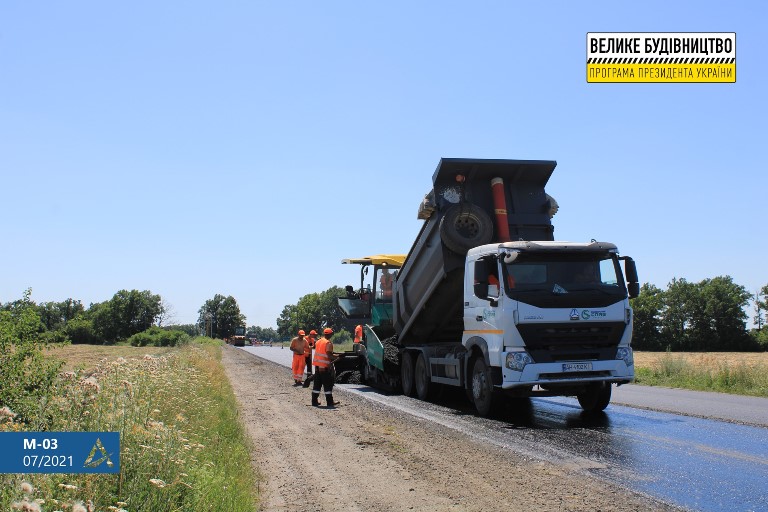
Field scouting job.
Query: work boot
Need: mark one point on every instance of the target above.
(330, 403)
(315, 403)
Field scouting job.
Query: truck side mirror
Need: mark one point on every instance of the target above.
(633, 284)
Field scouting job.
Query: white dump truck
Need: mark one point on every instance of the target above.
(487, 300)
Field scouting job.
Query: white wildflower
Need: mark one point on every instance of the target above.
(157, 482)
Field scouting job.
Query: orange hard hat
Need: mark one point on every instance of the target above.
(301, 333)
(327, 330)
(313, 332)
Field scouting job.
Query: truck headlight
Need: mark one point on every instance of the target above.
(625, 354)
(517, 360)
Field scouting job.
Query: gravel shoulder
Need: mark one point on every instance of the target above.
(362, 457)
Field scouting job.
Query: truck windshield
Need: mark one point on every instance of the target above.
(558, 278)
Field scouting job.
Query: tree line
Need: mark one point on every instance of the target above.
(710, 315)
(127, 313)
(130, 315)
(312, 311)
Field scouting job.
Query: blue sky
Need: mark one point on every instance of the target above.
(245, 148)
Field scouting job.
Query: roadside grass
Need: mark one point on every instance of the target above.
(85, 357)
(726, 372)
(182, 445)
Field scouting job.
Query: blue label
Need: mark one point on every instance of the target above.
(60, 452)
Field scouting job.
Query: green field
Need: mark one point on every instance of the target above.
(182, 444)
(742, 373)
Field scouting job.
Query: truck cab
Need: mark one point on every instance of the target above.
(554, 316)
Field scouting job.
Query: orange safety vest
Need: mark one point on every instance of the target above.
(322, 359)
(309, 346)
(358, 334)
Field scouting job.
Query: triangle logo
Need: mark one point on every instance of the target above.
(91, 462)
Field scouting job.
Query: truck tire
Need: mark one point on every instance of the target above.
(406, 374)
(596, 398)
(424, 387)
(465, 226)
(483, 395)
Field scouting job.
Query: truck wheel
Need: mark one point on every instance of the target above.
(406, 374)
(465, 226)
(596, 398)
(483, 395)
(424, 386)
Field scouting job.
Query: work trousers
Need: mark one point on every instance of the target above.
(323, 379)
(297, 366)
(309, 363)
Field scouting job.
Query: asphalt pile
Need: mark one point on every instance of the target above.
(349, 377)
(391, 354)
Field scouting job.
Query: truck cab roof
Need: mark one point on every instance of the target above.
(592, 246)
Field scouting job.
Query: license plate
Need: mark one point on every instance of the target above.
(577, 367)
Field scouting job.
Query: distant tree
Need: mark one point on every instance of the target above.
(263, 334)
(647, 319)
(761, 307)
(760, 339)
(705, 316)
(330, 306)
(219, 316)
(313, 311)
(55, 315)
(724, 320)
(677, 305)
(341, 337)
(159, 337)
(189, 329)
(80, 330)
(287, 323)
(125, 314)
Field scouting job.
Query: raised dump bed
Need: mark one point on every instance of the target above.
(472, 202)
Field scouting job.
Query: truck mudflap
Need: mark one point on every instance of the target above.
(568, 373)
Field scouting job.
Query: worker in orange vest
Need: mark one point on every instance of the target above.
(323, 361)
(311, 340)
(299, 360)
(358, 333)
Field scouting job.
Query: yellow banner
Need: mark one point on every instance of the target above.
(661, 73)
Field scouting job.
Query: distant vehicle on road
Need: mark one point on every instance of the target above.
(237, 339)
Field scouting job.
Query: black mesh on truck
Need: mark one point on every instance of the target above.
(549, 343)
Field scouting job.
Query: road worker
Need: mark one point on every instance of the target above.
(308, 348)
(386, 284)
(324, 377)
(358, 333)
(299, 359)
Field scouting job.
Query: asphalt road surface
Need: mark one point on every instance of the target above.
(702, 451)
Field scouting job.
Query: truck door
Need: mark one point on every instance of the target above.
(482, 292)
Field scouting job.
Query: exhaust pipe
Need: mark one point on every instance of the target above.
(500, 208)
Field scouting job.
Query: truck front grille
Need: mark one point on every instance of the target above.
(547, 343)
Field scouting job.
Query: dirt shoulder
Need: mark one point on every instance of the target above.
(362, 457)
